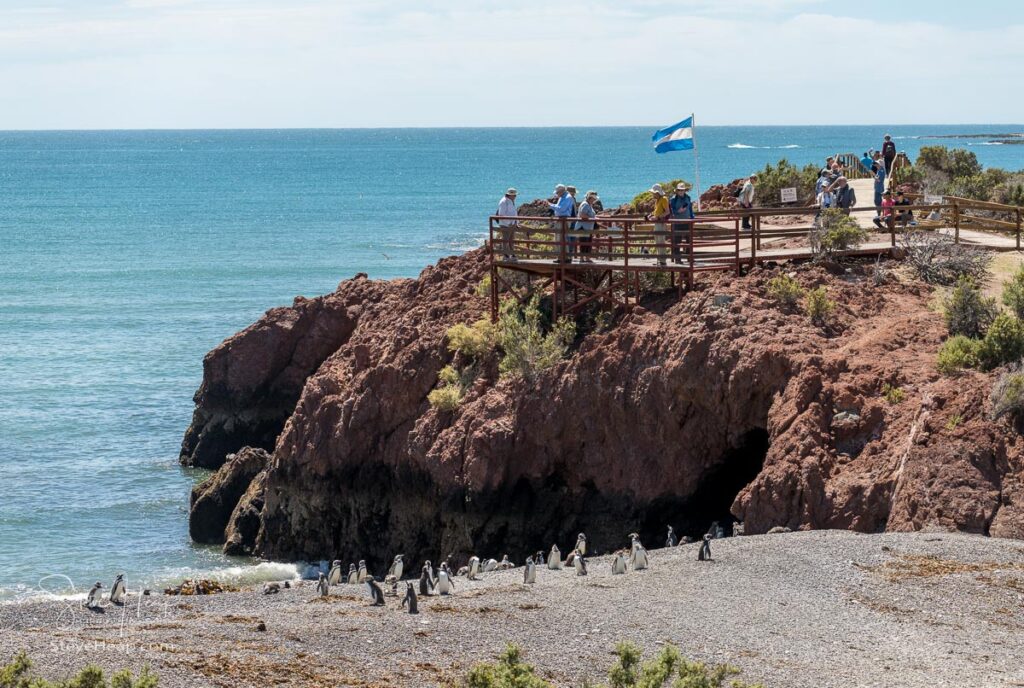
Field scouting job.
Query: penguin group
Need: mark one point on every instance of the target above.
(118, 594)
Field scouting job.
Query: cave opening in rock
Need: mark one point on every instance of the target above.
(714, 496)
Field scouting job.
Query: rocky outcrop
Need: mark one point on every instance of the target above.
(214, 500)
(681, 413)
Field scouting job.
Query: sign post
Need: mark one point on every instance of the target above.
(788, 195)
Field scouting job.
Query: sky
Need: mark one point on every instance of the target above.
(178, 64)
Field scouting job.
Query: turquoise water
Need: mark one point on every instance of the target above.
(126, 256)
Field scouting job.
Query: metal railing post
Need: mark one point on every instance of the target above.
(956, 223)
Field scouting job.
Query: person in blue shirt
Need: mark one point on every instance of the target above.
(879, 172)
(563, 207)
(866, 160)
(681, 206)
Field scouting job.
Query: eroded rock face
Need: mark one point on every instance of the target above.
(679, 414)
(214, 500)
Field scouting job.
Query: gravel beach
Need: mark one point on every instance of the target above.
(824, 608)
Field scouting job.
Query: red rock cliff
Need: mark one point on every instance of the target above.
(678, 414)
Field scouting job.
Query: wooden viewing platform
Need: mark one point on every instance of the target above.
(546, 254)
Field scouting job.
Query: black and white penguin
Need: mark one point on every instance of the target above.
(396, 567)
(505, 564)
(334, 577)
(618, 564)
(353, 575)
(538, 558)
(555, 558)
(670, 541)
(363, 573)
(634, 542)
(579, 563)
(376, 594)
(474, 568)
(273, 588)
(410, 599)
(705, 549)
(445, 584)
(323, 585)
(530, 571)
(581, 543)
(639, 557)
(426, 580)
(490, 565)
(117, 590)
(92, 600)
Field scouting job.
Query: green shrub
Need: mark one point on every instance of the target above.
(957, 162)
(957, 353)
(445, 398)
(1007, 395)
(785, 290)
(819, 306)
(475, 341)
(1013, 293)
(894, 395)
(527, 349)
(773, 178)
(836, 232)
(483, 288)
(1003, 343)
(967, 311)
(509, 672)
(954, 421)
(16, 675)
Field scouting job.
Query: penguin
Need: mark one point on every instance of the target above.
(474, 568)
(579, 563)
(490, 565)
(670, 541)
(430, 572)
(353, 575)
(334, 577)
(554, 558)
(396, 567)
(719, 532)
(713, 530)
(445, 584)
(426, 581)
(618, 564)
(538, 558)
(581, 544)
(410, 599)
(92, 601)
(634, 542)
(505, 564)
(639, 557)
(376, 594)
(529, 571)
(705, 549)
(363, 573)
(571, 559)
(273, 588)
(323, 585)
(117, 591)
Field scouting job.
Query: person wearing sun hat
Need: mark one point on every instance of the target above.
(660, 214)
(681, 207)
(562, 208)
(507, 210)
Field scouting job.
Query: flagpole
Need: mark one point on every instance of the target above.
(696, 158)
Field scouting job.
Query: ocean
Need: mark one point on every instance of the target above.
(126, 255)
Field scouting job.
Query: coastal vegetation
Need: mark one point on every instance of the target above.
(834, 233)
(783, 175)
(1008, 393)
(980, 335)
(957, 172)
(819, 306)
(18, 674)
(667, 669)
(937, 259)
(785, 290)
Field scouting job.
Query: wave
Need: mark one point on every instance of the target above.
(987, 143)
(739, 145)
(745, 146)
(60, 587)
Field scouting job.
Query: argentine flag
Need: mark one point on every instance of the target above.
(677, 137)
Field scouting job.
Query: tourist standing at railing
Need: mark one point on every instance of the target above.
(507, 226)
(845, 196)
(563, 210)
(866, 161)
(660, 214)
(888, 153)
(879, 171)
(681, 207)
(746, 198)
(573, 237)
(585, 225)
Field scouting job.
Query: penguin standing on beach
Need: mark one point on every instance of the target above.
(363, 573)
(334, 577)
(426, 580)
(618, 564)
(538, 558)
(410, 599)
(397, 567)
(670, 541)
(474, 568)
(353, 575)
(376, 594)
(505, 563)
(555, 558)
(705, 549)
(529, 571)
(92, 601)
(323, 585)
(445, 584)
(639, 557)
(581, 544)
(117, 591)
(579, 563)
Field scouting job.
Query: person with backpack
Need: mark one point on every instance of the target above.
(888, 153)
(746, 198)
(660, 214)
(681, 207)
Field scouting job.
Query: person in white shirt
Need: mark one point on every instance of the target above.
(825, 200)
(586, 224)
(746, 198)
(506, 225)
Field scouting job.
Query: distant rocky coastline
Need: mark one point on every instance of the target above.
(317, 421)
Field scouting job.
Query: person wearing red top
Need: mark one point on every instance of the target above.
(887, 205)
